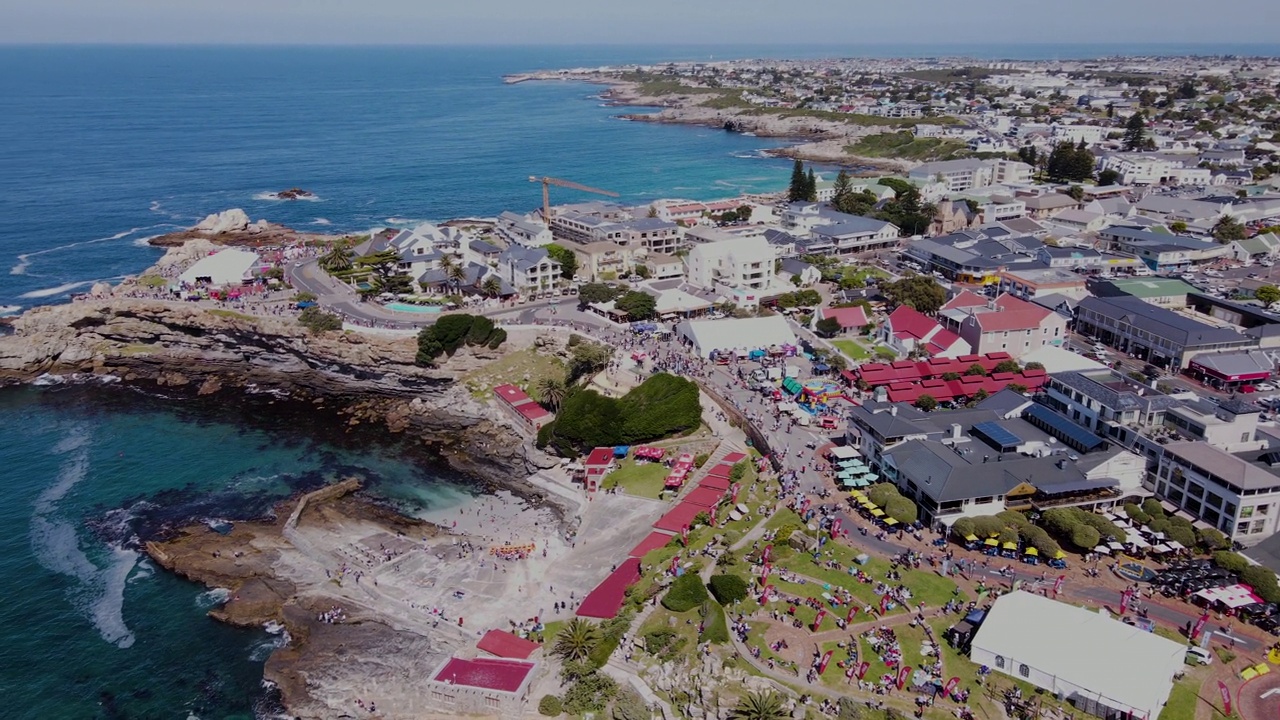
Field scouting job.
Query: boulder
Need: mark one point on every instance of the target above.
(234, 220)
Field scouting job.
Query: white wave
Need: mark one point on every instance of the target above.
(144, 571)
(99, 594)
(263, 650)
(10, 309)
(145, 241)
(212, 598)
(402, 221)
(24, 260)
(273, 627)
(59, 290)
(321, 221)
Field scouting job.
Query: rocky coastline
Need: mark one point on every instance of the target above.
(233, 228)
(814, 139)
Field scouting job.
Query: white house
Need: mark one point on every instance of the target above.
(740, 263)
(528, 270)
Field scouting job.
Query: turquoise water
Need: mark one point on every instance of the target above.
(89, 627)
(405, 307)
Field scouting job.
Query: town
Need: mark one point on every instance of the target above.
(991, 433)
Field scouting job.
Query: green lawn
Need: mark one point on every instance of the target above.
(852, 349)
(1185, 697)
(644, 479)
(904, 144)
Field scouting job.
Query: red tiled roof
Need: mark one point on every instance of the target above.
(600, 456)
(606, 599)
(678, 517)
(505, 675)
(848, 317)
(734, 457)
(963, 300)
(653, 541)
(704, 496)
(504, 644)
(909, 322)
(511, 394)
(942, 341)
(722, 469)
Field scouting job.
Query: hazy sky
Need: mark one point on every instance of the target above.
(637, 21)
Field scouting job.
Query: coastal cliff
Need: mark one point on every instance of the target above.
(360, 378)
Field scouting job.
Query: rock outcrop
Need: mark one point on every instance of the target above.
(227, 221)
(232, 227)
(362, 378)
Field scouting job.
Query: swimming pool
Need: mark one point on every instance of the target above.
(406, 307)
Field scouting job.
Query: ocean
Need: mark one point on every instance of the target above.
(106, 146)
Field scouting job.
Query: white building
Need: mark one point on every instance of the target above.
(522, 230)
(741, 263)
(1238, 493)
(961, 175)
(528, 270)
(1100, 665)
(736, 334)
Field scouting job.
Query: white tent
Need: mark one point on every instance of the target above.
(737, 333)
(1233, 596)
(841, 452)
(228, 267)
(1100, 664)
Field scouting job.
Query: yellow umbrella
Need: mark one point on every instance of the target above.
(1032, 551)
(1248, 674)
(1010, 546)
(890, 521)
(971, 538)
(857, 493)
(878, 512)
(1059, 555)
(869, 505)
(991, 541)
(1262, 668)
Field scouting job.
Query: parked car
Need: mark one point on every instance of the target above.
(1199, 656)
(1264, 387)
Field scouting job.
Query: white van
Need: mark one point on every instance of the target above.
(1199, 656)
(1142, 272)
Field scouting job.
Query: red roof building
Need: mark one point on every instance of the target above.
(679, 517)
(1005, 324)
(505, 645)
(906, 381)
(485, 673)
(734, 458)
(848, 317)
(718, 482)
(598, 464)
(704, 496)
(907, 329)
(652, 542)
(522, 407)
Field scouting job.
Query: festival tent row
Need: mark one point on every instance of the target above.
(606, 599)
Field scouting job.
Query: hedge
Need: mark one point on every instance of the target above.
(661, 406)
(550, 706)
(728, 589)
(451, 332)
(686, 593)
(715, 629)
(896, 506)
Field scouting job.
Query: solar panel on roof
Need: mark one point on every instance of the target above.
(1063, 429)
(1001, 437)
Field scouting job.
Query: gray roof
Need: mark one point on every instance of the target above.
(524, 258)
(1023, 226)
(1158, 321)
(647, 223)
(1253, 470)
(483, 247)
(1266, 553)
(1121, 400)
(1057, 302)
(794, 266)
(1242, 362)
(1004, 403)
(851, 225)
(945, 475)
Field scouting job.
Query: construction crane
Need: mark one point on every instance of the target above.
(547, 182)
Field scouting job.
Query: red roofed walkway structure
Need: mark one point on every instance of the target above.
(606, 599)
(505, 645)
(490, 674)
(652, 542)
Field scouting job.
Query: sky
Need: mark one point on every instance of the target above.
(639, 22)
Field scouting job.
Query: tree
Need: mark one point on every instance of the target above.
(745, 212)
(1006, 366)
(1186, 91)
(337, 259)
(810, 186)
(1085, 537)
(551, 391)
(976, 369)
(637, 305)
(1228, 229)
(1108, 177)
(1267, 294)
(926, 403)
(451, 332)
(592, 293)
(728, 589)
(550, 706)
(920, 292)
(1135, 132)
(491, 286)
(1178, 227)
(827, 327)
(843, 188)
(317, 321)
(567, 259)
(1075, 192)
(587, 359)
(576, 640)
(798, 190)
(686, 593)
(759, 706)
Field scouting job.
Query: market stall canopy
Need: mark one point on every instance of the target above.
(971, 537)
(991, 542)
(1031, 551)
(1102, 549)
(1232, 596)
(890, 521)
(841, 452)
(878, 512)
(1009, 546)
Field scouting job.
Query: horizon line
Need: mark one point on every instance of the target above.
(872, 44)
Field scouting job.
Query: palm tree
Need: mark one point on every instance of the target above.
(336, 260)
(576, 640)
(759, 706)
(456, 274)
(551, 390)
(491, 286)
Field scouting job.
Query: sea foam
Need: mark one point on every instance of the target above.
(24, 260)
(59, 290)
(99, 592)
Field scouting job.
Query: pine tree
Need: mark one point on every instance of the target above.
(1135, 132)
(811, 187)
(843, 189)
(798, 190)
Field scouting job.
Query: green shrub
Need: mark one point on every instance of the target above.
(630, 706)
(317, 321)
(984, 526)
(738, 471)
(700, 459)
(1153, 508)
(1229, 561)
(1085, 537)
(655, 641)
(1263, 582)
(686, 593)
(550, 706)
(963, 528)
(451, 332)
(728, 589)
(901, 509)
(663, 405)
(784, 533)
(1212, 539)
(591, 692)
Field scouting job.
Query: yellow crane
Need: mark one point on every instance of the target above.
(547, 182)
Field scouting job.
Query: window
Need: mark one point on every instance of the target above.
(1024, 671)
(1262, 509)
(1246, 512)
(1259, 526)
(1000, 661)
